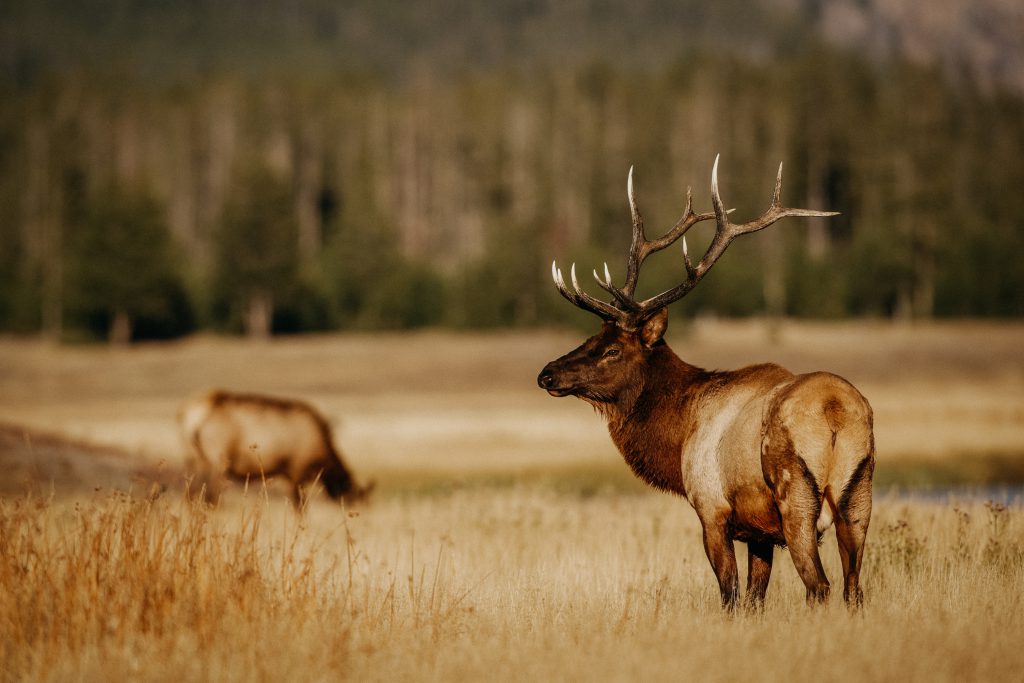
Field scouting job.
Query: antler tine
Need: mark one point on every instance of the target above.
(777, 195)
(607, 281)
(624, 299)
(776, 211)
(690, 273)
(575, 282)
(593, 303)
(580, 298)
(637, 246)
(634, 212)
(721, 216)
(725, 232)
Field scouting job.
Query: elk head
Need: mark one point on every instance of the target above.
(611, 365)
(608, 365)
(339, 485)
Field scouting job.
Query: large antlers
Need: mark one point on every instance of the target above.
(628, 313)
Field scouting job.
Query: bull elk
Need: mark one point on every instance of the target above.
(240, 436)
(764, 456)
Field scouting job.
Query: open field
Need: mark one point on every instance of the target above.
(948, 399)
(505, 541)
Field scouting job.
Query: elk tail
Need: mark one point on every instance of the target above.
(835, 417)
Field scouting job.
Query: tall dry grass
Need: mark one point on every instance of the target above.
(496, 584)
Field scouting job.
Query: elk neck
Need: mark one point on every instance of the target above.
(649, 425)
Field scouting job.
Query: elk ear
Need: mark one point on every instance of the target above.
(654, 328)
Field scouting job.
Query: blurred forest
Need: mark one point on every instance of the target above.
(271, 166)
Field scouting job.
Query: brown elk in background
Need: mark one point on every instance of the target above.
(764, 456)
(243, 436)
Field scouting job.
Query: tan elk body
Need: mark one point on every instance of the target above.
(249, 436)
(764, 456)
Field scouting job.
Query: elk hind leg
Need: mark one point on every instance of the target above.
(853, 515)
(300, 496)
(799, 502)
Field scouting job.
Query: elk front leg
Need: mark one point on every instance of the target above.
(722, 556)
(205, 481)
(299, 496)
(759, 571)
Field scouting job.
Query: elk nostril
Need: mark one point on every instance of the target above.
(545, 380)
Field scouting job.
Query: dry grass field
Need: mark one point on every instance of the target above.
(505, 540)
(518, 583)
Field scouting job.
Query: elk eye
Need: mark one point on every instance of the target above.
(612, 352)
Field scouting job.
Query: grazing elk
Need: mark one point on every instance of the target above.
(764, 456)
(247, 435)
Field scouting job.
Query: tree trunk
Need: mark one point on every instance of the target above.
(774, 285)
(774, 279)
(924, 271)
(120, 333)
(818, 238)
(259, 315)
(307, 150)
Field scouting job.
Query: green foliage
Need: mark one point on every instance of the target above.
(20, 289)
(981, 273)
(508, 286)
(441, 196)
(407, 296)
(372, 287)
(256, 251)
(307, 309)
(816, 289)
(257, 246)
(120, 260)
(20, 281)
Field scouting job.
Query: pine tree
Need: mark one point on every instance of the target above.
(120, 264)
(257, 254)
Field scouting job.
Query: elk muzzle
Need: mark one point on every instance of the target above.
(552, 380)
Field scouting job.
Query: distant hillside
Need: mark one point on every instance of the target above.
(300, 165)
(978, 40)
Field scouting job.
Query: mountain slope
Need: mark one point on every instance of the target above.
(974, 40)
